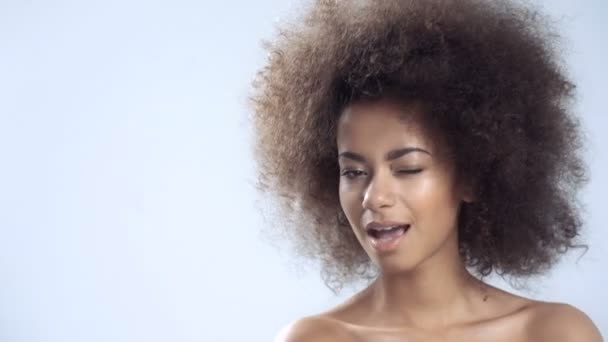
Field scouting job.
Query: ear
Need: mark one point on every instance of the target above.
(468, 198)
(467, 193)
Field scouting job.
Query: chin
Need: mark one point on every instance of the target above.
(397, 263)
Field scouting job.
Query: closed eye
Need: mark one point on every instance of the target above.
(409, 171)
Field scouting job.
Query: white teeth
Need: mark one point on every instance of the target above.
(387, 228)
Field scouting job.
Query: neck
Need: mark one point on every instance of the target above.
(438, 293)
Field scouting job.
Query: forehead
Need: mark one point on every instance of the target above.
(365, 124)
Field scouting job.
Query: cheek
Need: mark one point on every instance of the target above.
(433, 205)
(421, 192)
(349, 200)
(428, 197)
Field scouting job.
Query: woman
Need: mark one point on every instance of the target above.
(423, 145)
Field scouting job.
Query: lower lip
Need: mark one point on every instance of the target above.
(384, 246)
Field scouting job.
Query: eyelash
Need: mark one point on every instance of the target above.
(350, 173)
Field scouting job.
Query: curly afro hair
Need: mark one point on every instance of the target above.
(491, 79)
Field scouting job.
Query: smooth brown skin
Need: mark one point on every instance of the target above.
(424, 292)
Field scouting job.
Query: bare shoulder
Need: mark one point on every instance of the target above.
(561, 322)
(314, 328)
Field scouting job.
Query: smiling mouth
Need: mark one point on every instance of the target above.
(388, 233)
(387, 239)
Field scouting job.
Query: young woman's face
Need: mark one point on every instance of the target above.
(394, 173)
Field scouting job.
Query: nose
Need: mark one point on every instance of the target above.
(379, 194)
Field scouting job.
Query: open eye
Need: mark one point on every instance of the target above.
(352, 173)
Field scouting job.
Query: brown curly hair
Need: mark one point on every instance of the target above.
(492, 80)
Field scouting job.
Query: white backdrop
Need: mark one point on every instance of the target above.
(126, 205)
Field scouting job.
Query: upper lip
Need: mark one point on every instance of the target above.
(384, 224)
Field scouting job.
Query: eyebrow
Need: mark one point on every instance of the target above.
(391, 155)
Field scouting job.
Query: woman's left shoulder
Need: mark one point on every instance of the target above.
(561, 322)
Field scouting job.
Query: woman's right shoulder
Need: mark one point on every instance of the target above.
(314, 328)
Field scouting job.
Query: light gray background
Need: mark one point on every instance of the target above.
(126, 205)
